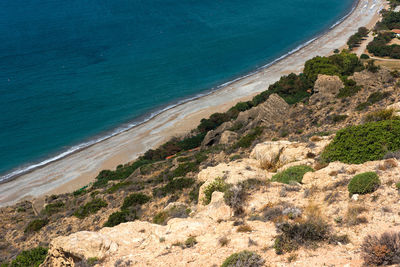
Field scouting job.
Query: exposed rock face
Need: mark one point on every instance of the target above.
(275, 109)
(368, 79)
(273, 155)
(326, 87)
(228, 137)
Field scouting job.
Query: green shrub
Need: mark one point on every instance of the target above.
(247, 140)
(135, 199)
(364, 183)
(362, 106)
(80, 191)
(377, 96)
(114, 188)
(243, 259)
(173, 186)
(30, 258)
(36, 225)
(53, 208)
(185, 168)
(92, 261)
(364, 56)
(190, 242)
(398, 186)
(119, 217)
(372, 67)
(292, 174)
(218, 185)
(350, 88)
(294, 235)
(362, 143)
(380, 115)
(161, 217)
(338, 118)
(90, 208)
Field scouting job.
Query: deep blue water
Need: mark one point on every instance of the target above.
(71, 70)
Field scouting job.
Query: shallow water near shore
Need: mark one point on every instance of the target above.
(71, 70)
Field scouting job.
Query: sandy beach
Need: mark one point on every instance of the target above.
(79, 169)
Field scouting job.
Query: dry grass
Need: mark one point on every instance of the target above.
(244, 228)
(319, 165)
(353, 215)
(388, 164)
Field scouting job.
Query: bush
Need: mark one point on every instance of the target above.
(338, 118)
(350, 88)
(53, 208)
(30, 258)
(185, 168)
(364, 183)
(135, 199)
(362, 143)
(173, 186)
(218, 185)
(190, 242)
(90, 208)
(383, 250)
(235, 197)
(292, 174)
(36, 225)
(306, 233)
(194, 193)
(243, 259)
(161, 217)
(372, 67)
(247, 140)
(364, 56)
(119, 217)
(114, 188)
(380, 115)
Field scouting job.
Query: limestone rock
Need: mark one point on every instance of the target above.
(325, 88)
(217, 210)
(228, 137)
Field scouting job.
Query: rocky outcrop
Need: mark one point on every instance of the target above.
(326, 87)
(368, 80)
(274, 110)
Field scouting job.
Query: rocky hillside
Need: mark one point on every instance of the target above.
(216, 230)
(223, 188)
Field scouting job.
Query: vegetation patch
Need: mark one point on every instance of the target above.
(30, 258)
(380, 115)
(364, 183)
(119, 217)
(248, 139)
(292, 174)
(53, 208)
(218, 185)
(350, 88)
(36, 225)
(362, 143)
(383, 250)
(135, 199)
(177, 184)
(90, 208)
(355, 39)
(243, 259)
(114, 188)
(161, 218)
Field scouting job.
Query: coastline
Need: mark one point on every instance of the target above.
(81, 167)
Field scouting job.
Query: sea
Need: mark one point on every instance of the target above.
(75, 72)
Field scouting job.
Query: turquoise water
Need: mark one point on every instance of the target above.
(73, 71)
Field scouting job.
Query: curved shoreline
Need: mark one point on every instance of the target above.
(58, 176)
(29, 167)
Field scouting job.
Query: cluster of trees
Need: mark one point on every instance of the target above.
(379, 46)
(390, 21)
(355, 39)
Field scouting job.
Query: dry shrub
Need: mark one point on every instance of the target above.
(223, 241)
(319, 165)
(309, 192)
(333, 173)
(388, 164)
(315, 138)
(245, 228)
(311, 155)
(353, 215)
(383, 250)
(331, 197)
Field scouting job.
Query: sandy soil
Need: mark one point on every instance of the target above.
(81, 168)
